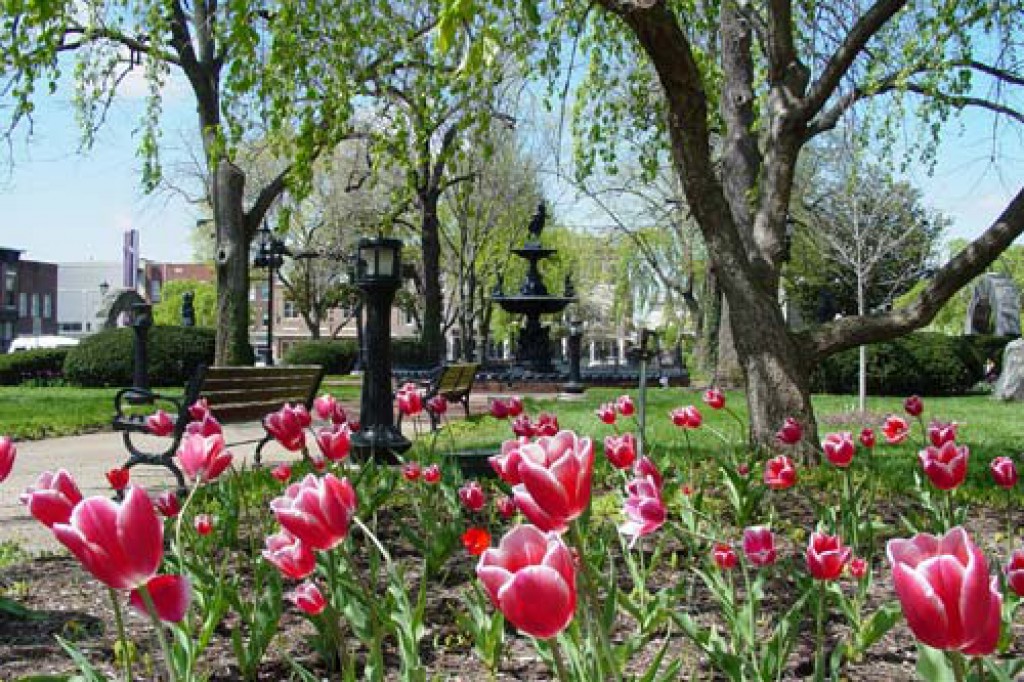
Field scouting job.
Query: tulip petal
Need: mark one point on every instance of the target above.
(140, 534)
(171, 596)
(537, 516)
(991, 626)
(545, 488)
(538, 602)
(922, 606)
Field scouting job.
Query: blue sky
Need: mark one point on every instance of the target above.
(61, 205)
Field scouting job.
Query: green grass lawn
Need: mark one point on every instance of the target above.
(32, 413)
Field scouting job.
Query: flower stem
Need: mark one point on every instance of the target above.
(850, 511)
(593, 605)
(819, 630)
(561, 672)
(951, 510)
(956, 660)
(126, 647)
(147, 599)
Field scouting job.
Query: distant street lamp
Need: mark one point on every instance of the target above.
(378, 274)
(270, 253)
(575, 384)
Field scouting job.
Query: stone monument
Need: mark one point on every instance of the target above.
(994, 307)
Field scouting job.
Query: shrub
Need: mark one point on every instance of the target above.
(31, 365)
(105, 359)
(987, 346)
(924, 363)
(409, 353)
(336, 356)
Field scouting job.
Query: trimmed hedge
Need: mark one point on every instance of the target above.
(29, 365)
(105, 358)
(923, 363)
(336, 356)
(986, 347)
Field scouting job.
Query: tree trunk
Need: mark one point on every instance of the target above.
(728, 371)
(430, 243)
(232, 339)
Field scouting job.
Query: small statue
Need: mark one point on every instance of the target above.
(188, 311)
(537, 222)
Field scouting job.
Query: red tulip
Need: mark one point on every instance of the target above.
(686, 489)
(355, 426)
(203, 459)
(620, 450)
(1004, 472)
(645, 511)
(826, 556)
(945, 467)
(159, 424)
(168, 504)
(499, 409)
(867, 438)
(204, 524)
(546, 424)
(506, 506)
(282, 472)
(514, 406)
(556, 473)
(839, 448)
(714, 398)
(52, 498)
(896, 429)
(506, 463)
(914, 406)
(724, 556)
(120, 544)
(1015, 572)
(432, 474)
(287, 427)
(948, 597)
(531, 578)
(759, 545)
(437, 405)
(858, 567)
(522, 427)
(472, 496)
(624, 404)
(606, 413)
(743, 469)
(327, 407)
(317, 510)
(207, 426)
(688, 417)
(7, 454)
(171, 595)
(476, 541)
(334, 442)
(411, 471)
(779, 473)
(644, 467)
(940, 433)
(294, 559)
(318, 461)
(790, 433)
(199, 409)
(309, 599)
(118, 478)
(410, 400)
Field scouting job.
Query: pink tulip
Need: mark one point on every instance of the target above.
(7, 454)
(1015, 573)
(546, 424)
(606, 413)
(168, 504)
(203, 458)
(52, 498)
(645, 511)
(281, 473)
(171, 595)
(203, 524)
(624, 404)
(945, 467)
(839, 448)
(858, 567)
(948, 597)
(472, 496)
(287, 426)
(294, 559)
(410, 400)
(556, 472)
(317, 510)
(940, 433)
(522, 427)
(759, 545)
(620, 450)
(896, 429)
(779, 473)
(826, 556)
(437, 405)
(118, 478)
(914, 406)
(328, 408)
(207, 426)
(432, 474)
(645, 467)
(506, 506)
(514, 406)
(724, 556)
(309, 599)
(531, 578)
(506, 463)
(1004, 472)
(714, 398)
(120, 544)
(790, 433)
(688, 417)
(199, 410)
(867, 438)
(499, 409)
(159, 423)
(411, 471)
(334, 442)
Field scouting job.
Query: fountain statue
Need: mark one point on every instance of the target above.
(533, 300)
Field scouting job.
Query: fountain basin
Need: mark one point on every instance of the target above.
(542, 305)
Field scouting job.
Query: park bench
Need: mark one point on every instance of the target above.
(453, 382)
(234, 395)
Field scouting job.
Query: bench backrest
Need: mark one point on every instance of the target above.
(456, 377)
(237, 394)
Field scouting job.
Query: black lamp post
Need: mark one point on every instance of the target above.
(378, 275)
(270, 253)
(575, 384)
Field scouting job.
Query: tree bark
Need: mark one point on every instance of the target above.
(430, 244)
(232, 340)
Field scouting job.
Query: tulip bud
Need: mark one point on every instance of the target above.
(780, 473)
(896, 429)
(1004, 472)
(867, 438)
(790, 433)
(476, 541)
(606, 413)
(411, 471)
(472, 496)
(914, 406)
(432, 474)
(624, 404)
(118, 479)
(168, 504)
(282, 473)
(308, 598)
(714, 398)
(204, 524)
(724, 556)
(759, 545)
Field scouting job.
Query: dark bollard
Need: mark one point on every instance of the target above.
(188, 310)
(141, 321)
(575, 384)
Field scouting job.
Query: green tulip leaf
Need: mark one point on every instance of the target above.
(933, 666)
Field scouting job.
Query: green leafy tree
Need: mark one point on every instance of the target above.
(204, 302)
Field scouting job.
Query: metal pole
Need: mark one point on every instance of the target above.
(270, 314)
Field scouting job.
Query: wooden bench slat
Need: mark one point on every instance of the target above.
(261, 373)
(215, 386)
(281, 394)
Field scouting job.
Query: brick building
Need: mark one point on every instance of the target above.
(28, 297)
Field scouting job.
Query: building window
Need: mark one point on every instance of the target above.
(88, 326)
(35, 305)
(71, 326)
(10, 285)
(23, 304)
(409, 319)
(290, 310)
(47, 306)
